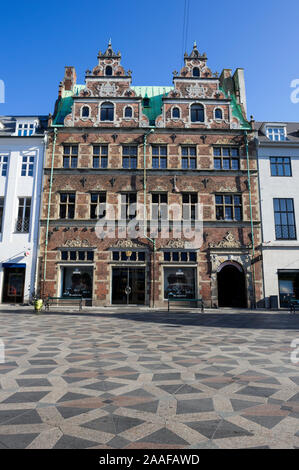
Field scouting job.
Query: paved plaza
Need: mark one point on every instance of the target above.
(148, 379)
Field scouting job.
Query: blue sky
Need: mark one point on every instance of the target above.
(40, 38)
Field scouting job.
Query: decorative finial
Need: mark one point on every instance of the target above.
(194, 45)
(109, 43)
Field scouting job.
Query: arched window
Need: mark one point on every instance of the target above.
(218, 113)
(107, 112)
(197, 113)
(195, 72)
(85, 111)
(108, 70)
(176, 113)
(128, 112)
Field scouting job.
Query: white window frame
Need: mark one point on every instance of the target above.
(28, 164)
(278, 133)
(3, 163)
(125, 117)
(23, 218)
(81, 111)
(23, 131)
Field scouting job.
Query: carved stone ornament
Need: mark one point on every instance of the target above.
(77, 243)
(228, 241)
(106, 89)
(196, 91)
(175, 243)
(128, 244)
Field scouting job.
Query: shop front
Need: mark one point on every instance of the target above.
(77, 281)
(288, 282)
(13, 283)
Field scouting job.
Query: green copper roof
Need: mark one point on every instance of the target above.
(154, 95)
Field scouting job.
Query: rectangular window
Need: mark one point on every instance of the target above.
(70, 156)
(97, 205)
(3, 165)
(128, 206)
(130, 156)
(67, 205)
(179, 282)
(25, 129)
(226, 158)
(159, 206)
(159, 156)
(1, 212)
(280, 166)
(285, 228)
(27, 165)
(80, 255)
(184, 256)
(23, 220)
(276, 133)
(188, 157)
(228, 207)
(100, 156)
(189, 201)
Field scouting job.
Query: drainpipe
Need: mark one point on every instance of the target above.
(49, 205)
(153, 241)
(251, 218)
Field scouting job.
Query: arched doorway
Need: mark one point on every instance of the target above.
(231, 286)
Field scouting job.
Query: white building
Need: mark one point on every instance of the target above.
(22, 147)
(278, 164)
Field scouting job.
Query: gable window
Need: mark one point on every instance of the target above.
(284, 215)
(176, 113)
(107, 112)
(228, 207)
(25, 129)
(130, 156)
(280, 166)
(85, 111)
(226, 158)
(128, 112)
(3, 165)
(276, 133)
(67, 205)
(97, 205)
(100, 156)
(159, 156)
(188, 156)
(23, 220)
(195, 72)
(218, 113)
(1, 212)
(197, 113)
(27, 165)
(108, 70)
(70, 156)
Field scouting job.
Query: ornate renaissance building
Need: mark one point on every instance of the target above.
(156, 160)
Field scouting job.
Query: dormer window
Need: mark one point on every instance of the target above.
(276, 133)
(25, 129)
(195, 72)
(108, 70)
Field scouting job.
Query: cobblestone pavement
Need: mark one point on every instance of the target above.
(148, 380)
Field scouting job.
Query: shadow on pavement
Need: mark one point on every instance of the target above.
(276, 321)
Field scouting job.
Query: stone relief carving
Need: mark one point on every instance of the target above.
(128, 244)
(77, 243)
(106, 89)
(196, 91)
(175, 243)
(228, 241)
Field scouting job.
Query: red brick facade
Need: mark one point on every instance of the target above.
(226, 242)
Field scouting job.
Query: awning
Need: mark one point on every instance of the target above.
(14, 265)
